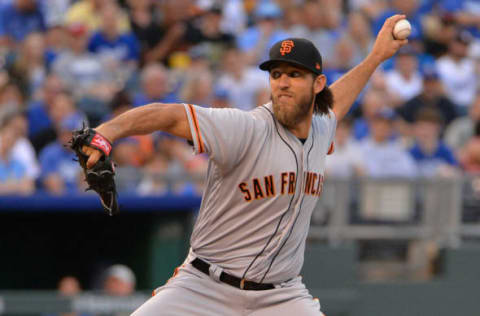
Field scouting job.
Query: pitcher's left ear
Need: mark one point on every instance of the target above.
(319, 83)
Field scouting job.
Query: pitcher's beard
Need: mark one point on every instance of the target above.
(291, 117)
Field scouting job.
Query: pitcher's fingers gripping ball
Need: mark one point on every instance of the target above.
(402, 29)
(386, 45)
(88, 145)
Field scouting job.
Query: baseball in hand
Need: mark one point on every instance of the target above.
(402, 29)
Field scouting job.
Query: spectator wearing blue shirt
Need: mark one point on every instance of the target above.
(432, 156)
(60, 173)
(372, 102)
(344, 61)
(257, 40)
(344, 51)
(40, 126)
(118, 51)
(465, 12)
(413, 11)
(432, 96)
(18, 19)
(14, 178)
(55, 45)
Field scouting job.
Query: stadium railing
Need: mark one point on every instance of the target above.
(445, 210)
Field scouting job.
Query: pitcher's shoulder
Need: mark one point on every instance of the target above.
(264, 112)
(328, 118)
(263, 118)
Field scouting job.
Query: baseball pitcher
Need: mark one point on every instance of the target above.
(265, 175)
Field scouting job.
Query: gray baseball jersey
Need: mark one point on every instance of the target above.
(262, 186)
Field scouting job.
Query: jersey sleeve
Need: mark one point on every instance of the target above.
(224, 134)
(331, 121)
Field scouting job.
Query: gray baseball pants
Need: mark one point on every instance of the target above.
(191, 292)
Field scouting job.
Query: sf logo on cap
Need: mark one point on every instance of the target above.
(286, 47)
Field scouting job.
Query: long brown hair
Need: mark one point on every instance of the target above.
(323, 101)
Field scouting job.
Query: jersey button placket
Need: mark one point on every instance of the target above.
(300, 177)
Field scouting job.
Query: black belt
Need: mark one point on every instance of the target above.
(232, 280)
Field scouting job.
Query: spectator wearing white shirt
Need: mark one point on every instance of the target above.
(347, 159)
(22, 149)
(81, 71)
(234, 18)
(14, 178)
(457, 72)
(404, 81)
(247, 86)
(54, 11)
(385, 157)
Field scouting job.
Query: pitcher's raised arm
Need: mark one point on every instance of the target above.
(346, 89)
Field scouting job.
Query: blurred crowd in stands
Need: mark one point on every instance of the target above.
(116, 281)
(64, 63)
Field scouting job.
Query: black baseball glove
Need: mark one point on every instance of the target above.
(101, 177)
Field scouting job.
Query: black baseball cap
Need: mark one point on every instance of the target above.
(297, 51)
